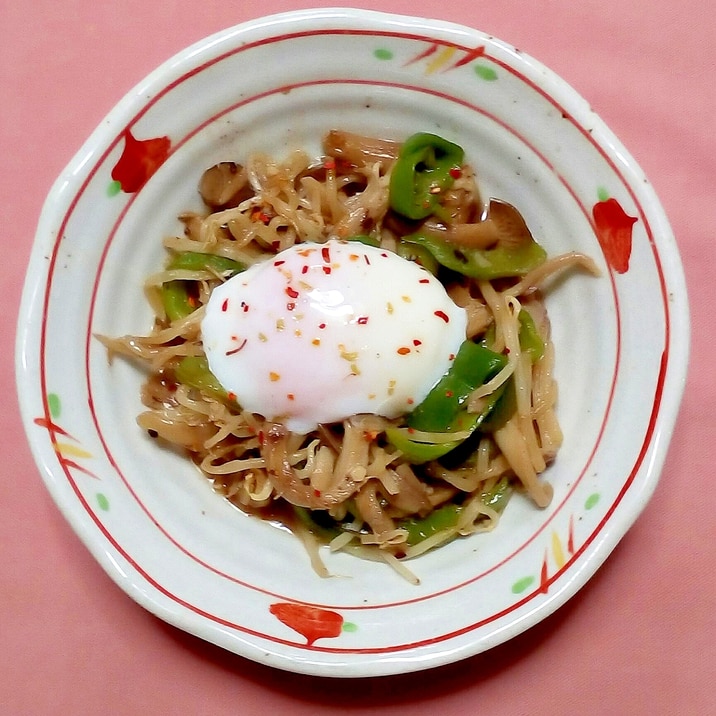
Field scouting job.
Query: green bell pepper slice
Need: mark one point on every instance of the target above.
(446, 517)
(177, 295)
(177, 299)
(418, 254)
(325, 532)
(530, 340)
(425, 169)
(195, 261)
(443, 518)
(482, 264)
(418, 452)
(194, 372)
(473, 365)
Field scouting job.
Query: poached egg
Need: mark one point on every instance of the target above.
(320, 332)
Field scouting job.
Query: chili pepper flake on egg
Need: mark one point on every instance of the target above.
(321, 332)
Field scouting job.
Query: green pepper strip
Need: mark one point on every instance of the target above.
(176, 299)
(473, 365)
(530, 340)
(418, 254)
(487, 264)
(442, 409)
(176, 295)
(446, 517)
(437, 521)
(424, 169)
(323, 532)
(418, 528)
(194, 372)
(418, 452)
(506, 402)
(195, 261)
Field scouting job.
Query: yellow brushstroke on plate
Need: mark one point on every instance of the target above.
(558, 551)
(441, 59)
(73, 450)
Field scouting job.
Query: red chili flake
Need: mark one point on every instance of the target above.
(417, 343)
(326, 254)
(383, 254)
(279, 262)
(231, 396)
(409, 401)
(329, 164)
(237, 349)
(327, 270)
(321, 325)
(403, 351)
(455, 172)
(362, 320)
(451, 356)
(291, 292)
(411, 430)
(424, 280)
(304, 268)
(225, 305)
(367, 260)
(290, 396)
(443, 315)
(290, 306)
(244, 306)
(260, 215)
(449, 393)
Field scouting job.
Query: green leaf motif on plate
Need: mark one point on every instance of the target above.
(383, 53)
(521, 584)
(54, 405)
(591, 501)
(485, 73)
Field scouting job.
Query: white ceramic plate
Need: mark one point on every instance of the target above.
(147, 516)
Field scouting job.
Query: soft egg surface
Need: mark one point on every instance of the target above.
(321, 332)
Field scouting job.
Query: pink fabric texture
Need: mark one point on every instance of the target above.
(638, 639)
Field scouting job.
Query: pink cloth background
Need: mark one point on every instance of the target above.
(640, 638)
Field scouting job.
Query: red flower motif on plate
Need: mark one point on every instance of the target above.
(139, 160)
